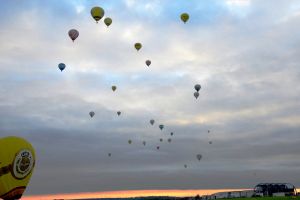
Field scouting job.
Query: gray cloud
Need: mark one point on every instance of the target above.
(247, 66)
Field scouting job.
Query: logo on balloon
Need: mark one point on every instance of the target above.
(23, 164)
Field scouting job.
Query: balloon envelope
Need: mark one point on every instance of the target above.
(138, 46)
(161, 126)
(197, 87)
(17, 160)
(61, 66)
(92, 113)
(184, 17)
(171, 133)
(160, 139)
(129, 141)
(148, 62)
(199, 156)
(73, 34)
(196, 95)
(152, 121)
(108, 21)
(157, 147)
(144, 143)
(113, 88)
(97, 13)
(185, 166)
(169, 140)
(119, 113)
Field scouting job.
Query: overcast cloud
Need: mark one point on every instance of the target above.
(244, 53)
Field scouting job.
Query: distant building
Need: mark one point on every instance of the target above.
(231, 194)
(275, 189)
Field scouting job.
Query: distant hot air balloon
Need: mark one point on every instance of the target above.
(161, 126)
(152, 121)
(184, 17)
(17, 160)
(199, 156)
(196, 95)
(73, 34)
(109, 154)
(208, 131)
(148, 62)
(61, 66)
(197, 87)
(169, 140)
(108, 21)
(157, 147)
(160, 139)
(144, 143)
(210, 142)
(129, 141)
(97, 13)
(138, 46)
(119, 113)
(92, 113)
(171, 133)
(185, 166)
(113, 88)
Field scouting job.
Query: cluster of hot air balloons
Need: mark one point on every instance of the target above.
(197, 88)
(98, 13)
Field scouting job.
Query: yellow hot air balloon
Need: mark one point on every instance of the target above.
(17, 160)
(138, 46)
(107, 21)
(184, 17)
(97, 13)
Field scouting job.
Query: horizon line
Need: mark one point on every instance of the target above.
(129, 193)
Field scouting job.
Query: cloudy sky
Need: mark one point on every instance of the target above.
(244, 53)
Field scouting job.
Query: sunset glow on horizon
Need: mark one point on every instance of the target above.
(128, 194)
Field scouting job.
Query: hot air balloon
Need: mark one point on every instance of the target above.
(144, 143)
(148, 62)
(157, 147)
(208, 131)
(138, 46)
(129, 141)
(210, 142)
(184, 17)
(113, 88)
(169, 140)
(109, 154)
(161, 126)
(61, 66)
(160, 139)
(97, 13)
(108, 21)
(199, 156)
(197, 87)
(152, 121)
(17, 161)
(185, 166)
(92, 113)
(119, 113)
(171, 133)
(73, 34)
(196, 95)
